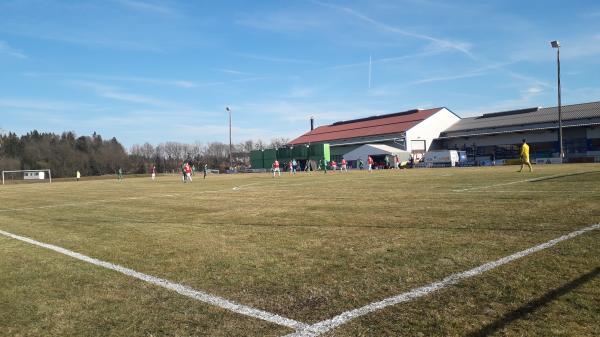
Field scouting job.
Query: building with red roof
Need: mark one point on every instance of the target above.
(412, 131)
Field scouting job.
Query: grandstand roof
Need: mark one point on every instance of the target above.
(525, 120)
(364, 127)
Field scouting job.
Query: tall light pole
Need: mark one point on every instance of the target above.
(556, 44)
(230, 162)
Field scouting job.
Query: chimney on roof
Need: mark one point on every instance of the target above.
(312, 123)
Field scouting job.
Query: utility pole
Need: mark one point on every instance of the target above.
(230, 160)
(556, 44)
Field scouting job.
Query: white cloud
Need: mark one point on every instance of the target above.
(222, 130)
(473, 73)
(462, 47)
(534, 90)
(37, 104)
(147, 7)
(272, 59)
(282, 22)
(156, 81)
(591, 14)
(295, 112)
(301, 92)
(575, 47)
(532, 81)
(384, 60)
(168, 82)
(233, 72)
(118, 94)
(528, 97)
(5, 48)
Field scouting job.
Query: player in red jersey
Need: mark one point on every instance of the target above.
(276, 168)
(188, 171)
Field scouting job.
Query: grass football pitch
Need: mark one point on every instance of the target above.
(306, 248)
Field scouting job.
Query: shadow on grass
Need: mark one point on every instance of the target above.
(534, 305)
(567, 175)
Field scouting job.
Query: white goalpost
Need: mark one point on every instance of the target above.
(27, 176)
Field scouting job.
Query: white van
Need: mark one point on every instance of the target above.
(441, 158)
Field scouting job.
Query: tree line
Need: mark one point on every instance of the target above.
(66, 154)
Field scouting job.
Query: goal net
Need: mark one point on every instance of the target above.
(26, 176)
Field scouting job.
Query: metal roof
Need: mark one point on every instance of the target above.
(364, 127)
(524, 119)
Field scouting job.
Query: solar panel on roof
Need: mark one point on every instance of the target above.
(508, 113)
(408, 112)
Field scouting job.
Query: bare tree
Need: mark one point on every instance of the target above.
(278, 142)
(260, 145)
(147, 151)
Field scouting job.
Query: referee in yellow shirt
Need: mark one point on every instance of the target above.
(525, 156)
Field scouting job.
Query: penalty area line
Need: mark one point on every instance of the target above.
(176, 287)
(517, 181)
(343, 318)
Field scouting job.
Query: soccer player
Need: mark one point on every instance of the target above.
(120, 174)
(344, 165)
(78, 175)
(360, 164)
(396, 162)
(323, 165)
(188, 172)
(183, 173)
(525, 156)
(291, 167)
(294, 165)
(333, 165)
(205, 170)
(370, 163)
(276, 168)
(153, 171)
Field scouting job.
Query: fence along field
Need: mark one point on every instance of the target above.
(307, 248)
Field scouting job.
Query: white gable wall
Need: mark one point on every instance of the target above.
(430, 128)
(367, 150)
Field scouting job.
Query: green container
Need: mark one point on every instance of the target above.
(284, 154)
(319, 151)
(257, 159)
(270, 154)
(300, 152)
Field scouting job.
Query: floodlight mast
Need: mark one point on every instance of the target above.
(556, 44)
(230, 161)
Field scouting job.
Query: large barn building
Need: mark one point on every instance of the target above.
(413, 131)
(489, 136)
(500, 134)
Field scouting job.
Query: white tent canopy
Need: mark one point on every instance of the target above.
(367, 150)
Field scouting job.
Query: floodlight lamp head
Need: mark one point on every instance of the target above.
(555, 44)
(227, 109)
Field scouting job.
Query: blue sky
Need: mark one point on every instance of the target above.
(162, 70)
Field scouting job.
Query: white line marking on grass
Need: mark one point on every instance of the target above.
(237, 188)
(510, 183)
(179, 288)
(57, 205)
(201, 192)
(329, 324)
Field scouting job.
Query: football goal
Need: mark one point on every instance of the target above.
(18, 176)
